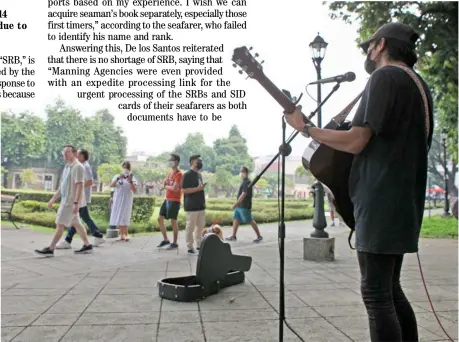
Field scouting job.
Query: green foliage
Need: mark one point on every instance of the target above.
(36, 206)
(28, 141)
(30, 195)
(232, 152)
(37, 201)
(436, 22)
(439, 227)
(23, 137)
(436, 159)
(106, 172)
(195, 144)
(65, 125)
(28, 176)
(109, 144)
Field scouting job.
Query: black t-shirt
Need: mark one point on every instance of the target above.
(247, 201)
(195, 201)
(387, 182)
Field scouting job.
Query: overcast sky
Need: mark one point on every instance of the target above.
(280, 31)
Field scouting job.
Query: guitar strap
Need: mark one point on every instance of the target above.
(423, 94)
(426, 110)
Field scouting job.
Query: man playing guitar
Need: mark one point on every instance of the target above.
(390, 137)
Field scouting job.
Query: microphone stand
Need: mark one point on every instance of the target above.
(284, 150)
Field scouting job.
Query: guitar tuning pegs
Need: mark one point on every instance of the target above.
(234, 65)
(256, 54)
(262, 62)
(240, 71)
(250, 48)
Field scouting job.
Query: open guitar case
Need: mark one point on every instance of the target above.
(216, 269)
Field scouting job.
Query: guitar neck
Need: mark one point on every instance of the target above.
(285, 102)
(277, 94)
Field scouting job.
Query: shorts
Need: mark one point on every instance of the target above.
(169, 210)
(331, 206)
(242, 215)
(66, 217)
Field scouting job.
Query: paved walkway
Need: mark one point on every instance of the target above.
(111, 294)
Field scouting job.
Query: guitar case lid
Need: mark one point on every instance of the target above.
(216, 268)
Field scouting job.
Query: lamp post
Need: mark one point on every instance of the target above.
(318, 48)
(444, 135)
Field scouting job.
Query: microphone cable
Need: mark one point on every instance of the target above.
(430, 300)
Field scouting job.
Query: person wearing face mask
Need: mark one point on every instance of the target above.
(242, 209)
(194, 203)
(390, 138)
(171, 205)
(125, 186)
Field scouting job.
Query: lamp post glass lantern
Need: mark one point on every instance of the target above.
(444, 136)
(318, 49)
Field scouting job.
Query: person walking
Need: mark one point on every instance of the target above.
(242, 209)
(83, 156)
(72, 199)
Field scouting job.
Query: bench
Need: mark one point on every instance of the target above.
(7, 206)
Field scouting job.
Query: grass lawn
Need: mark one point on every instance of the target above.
(439, 227)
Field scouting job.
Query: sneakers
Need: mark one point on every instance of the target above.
(231, 238)
(258, 239)
(45, 252)
(192, 251)
(63, 245)
(84, 250)
(163, 243)
(172, 246)
(98, 241)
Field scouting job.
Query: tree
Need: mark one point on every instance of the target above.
(274, 183)
(303, 172)
(232, 152)
(436, 22)
(106, 172)
(28, 177)
(23, 137)
(109, 143)
(160, 159)
(64, 126)
(436, 158)
(194, 144)
(153, 174)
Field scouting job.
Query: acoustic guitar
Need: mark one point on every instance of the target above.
(329, 166)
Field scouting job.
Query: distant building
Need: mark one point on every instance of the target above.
(137, 159)
(46, 179)
(301, 184)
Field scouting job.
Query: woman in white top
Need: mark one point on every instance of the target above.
(125, 185)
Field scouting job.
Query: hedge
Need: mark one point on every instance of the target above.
(37, 201)
(33, 208)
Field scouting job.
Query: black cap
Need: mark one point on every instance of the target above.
(401, 32)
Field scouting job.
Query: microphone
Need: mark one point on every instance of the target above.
(347, 77)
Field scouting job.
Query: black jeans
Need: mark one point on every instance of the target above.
(389, 312)
(84, 214)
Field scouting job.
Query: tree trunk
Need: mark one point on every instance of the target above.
(452, 180)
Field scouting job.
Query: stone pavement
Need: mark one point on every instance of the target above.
(111, 294)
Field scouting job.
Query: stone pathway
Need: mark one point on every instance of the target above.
(111, 295)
